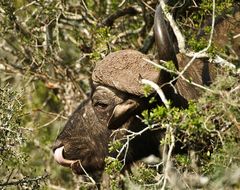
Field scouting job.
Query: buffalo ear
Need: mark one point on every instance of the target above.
(121, 113)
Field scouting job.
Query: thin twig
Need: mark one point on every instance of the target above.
(158, 90)
(85, 172)
(49, 123)
(122, 3)
(152, 9)
(178, 74)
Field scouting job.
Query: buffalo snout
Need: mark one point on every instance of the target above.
(82, 145)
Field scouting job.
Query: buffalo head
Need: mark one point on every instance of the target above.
(83, 143)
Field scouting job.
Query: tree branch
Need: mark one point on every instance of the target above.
(119, 13)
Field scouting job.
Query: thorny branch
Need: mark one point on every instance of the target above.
(25, 180)
(119, 13)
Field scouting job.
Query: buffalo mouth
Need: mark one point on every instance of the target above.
(77, 166)
(58, 156)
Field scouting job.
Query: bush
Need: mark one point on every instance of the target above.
(12, 141)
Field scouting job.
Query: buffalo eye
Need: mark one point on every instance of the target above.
(100, 105)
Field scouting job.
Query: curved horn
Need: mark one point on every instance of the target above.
(164, 43)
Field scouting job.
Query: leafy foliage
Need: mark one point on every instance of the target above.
(47, 52)
(12, 141)
(11, 135)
